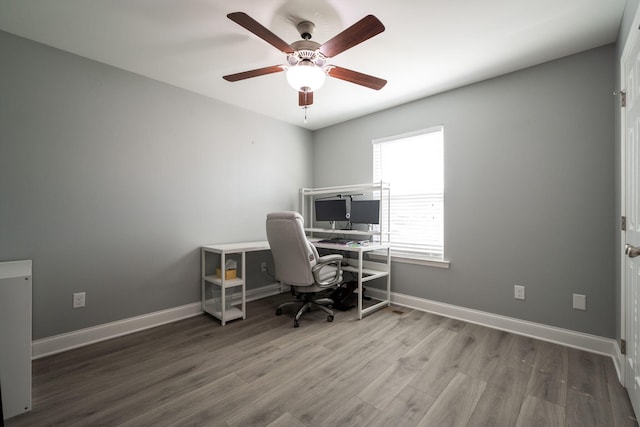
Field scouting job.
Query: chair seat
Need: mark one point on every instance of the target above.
(327, 273)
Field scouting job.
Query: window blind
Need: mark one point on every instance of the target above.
(413, 165)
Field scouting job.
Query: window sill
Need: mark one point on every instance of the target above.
(430, 262)
(417, 260)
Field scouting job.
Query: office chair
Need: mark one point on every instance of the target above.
(298, 265)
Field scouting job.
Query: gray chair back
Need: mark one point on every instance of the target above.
(292, 253)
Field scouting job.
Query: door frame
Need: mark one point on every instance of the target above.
(632, 39)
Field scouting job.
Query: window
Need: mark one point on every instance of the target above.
(413, 165)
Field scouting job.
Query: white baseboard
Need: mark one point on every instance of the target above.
(67, 341)
(595, 344)
(566, 337)
(264, 291)
(618, 362)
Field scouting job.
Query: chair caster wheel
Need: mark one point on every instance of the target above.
(278, 312)
(329, 318)
(296, 324)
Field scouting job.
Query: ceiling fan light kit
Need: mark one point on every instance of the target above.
(307, 67)
(306, 77)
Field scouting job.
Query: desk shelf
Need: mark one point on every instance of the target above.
(229, 283)
(347, 232)
(212, 307)
(367, 274)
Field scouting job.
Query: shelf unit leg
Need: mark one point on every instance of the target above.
(203, 258)
(243, 287)
(223, 278)
(389, 276)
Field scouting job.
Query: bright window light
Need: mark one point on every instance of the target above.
(413, 165)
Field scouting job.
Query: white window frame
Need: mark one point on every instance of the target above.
(420, 256)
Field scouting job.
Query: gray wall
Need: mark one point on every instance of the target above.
(625, 27)
(529, 190)
(110, 182)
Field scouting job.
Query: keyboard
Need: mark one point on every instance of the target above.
(336, 241)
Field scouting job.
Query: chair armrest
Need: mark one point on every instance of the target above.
(327, 259)
(334, 261)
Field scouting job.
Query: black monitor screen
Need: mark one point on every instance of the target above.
(365, 211)
(331, 210)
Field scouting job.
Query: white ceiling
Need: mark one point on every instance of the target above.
(429, 46)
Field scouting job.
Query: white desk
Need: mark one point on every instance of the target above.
(366, 271)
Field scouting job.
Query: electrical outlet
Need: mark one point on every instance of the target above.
(579, 302)
(263, 267)
(518, 292)
(79, 299)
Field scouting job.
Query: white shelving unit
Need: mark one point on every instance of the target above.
(380, 189)
(216, 303)
(219, 294)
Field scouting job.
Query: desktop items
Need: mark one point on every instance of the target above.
(230, 270)
(336, 241)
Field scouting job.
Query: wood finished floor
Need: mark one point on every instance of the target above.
(397, 367)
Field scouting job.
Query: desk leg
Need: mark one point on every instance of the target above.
(388, 276)
(203, 258)
(359, 285)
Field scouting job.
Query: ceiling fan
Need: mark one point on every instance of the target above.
(307, 60)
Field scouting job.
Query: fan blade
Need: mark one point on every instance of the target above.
(253, 73)
(362, 30)
(356, 77)
(259, 30)
(305, 98)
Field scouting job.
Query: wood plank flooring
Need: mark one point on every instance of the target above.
(396, 367)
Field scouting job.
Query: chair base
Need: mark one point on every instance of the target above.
(307, 303)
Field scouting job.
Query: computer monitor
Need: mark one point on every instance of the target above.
(331, 210)
(365, 212)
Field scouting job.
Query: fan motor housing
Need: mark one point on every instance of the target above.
(306, 50)
(305, 29)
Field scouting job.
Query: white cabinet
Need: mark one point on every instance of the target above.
(15, 337)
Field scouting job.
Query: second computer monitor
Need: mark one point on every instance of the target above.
(365, 212)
